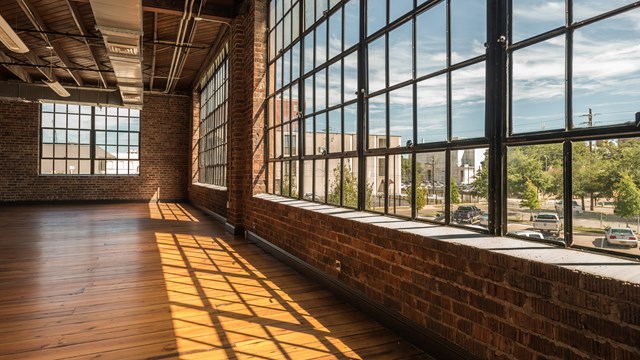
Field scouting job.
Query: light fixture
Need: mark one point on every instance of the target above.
(57, 87)
(198, 18)
(10, 39)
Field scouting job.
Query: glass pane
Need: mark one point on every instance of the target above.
(321, 7)
(321, 90)
(350, 76)
(431, 40)
(350, 126)
(309, 13)
(584, 9)
(100, 167)
(308, 95)
(100, 122)
(377, 124)
(469, 187)
(335, 185)
(287, 30)
(61, 120)
(286, 72)
(308, 52)
(72, 166)
(85, 137)
(335, 84)
(432, 110)
(295, 62)
(46, 166)
(47, 136)
(60, 136)
(112, 111)
(101, 137)
(60, 151)
(468, 29)
(47, 107)
(401, 116)
(534, 187)
(85, 121)
(123, 138)
(134, 124)
(309, 143)
(123, 124)
(349, 183)
(112, 138)
(85, 152)
(294, 138)
(47, 150)
(112, 123)
(295, 25)
(73, 109)
(270, 185)
(399, 182)
(278, 73)
(321, 134)
(352, 19)
(335, 34)
(85, 167)
(47, 120)
(134, 152)
(59, 167)
(73, 137)
(307, 181)
(605, 83)
(538, 87)
(533, 17)
(430, 180)
(85, 109)
(321, 43)
(99, 110)
(61, 108)
(467, 107)
(335, 131)
(320, 176)
(278, 142)
(376, 15)
(606, 199)
(374, 199)
(401, 54)
(377, 64)
(73, 151)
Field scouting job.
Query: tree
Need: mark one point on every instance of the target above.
(406, 171)
(348, 187)
(627, 197)
(455, 193)
(480, 185)
(421, 196)
(530, 196)
(290, 183)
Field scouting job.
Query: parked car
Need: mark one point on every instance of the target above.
(468, 214)
(575, 207)
(484, 219)
(548, 223)
(527, 233)
(621, 236)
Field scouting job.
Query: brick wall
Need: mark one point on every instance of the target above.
(164, 148)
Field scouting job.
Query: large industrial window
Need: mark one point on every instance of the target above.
(212, 143)
(81, 139)
(495, 115)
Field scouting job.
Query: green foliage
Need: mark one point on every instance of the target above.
(530, 196)
(406, 171)
(286, 184)
(627, 197)
(455, 193)
(524, 163)
(421, 196)
(348, 187)
(480, 185)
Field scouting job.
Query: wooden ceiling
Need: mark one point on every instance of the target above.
(66, 46)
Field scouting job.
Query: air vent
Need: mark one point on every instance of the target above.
(123, 49)
(131, 97)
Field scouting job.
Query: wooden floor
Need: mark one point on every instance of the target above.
(159, 281)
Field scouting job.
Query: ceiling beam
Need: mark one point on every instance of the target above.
(214, 10)
(155, 47)
(15, 69)
(77, 18)
(38, 23)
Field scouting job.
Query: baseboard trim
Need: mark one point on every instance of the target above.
(234, 229)
(429, 341)
(219, 218)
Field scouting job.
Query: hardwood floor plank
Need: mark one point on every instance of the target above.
(162, 281)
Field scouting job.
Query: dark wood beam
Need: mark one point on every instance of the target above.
(215, 10)
(15, 69)
(38, 23)
(155, 47)
(77, 18)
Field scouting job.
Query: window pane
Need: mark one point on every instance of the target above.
(85, 167)
(376, 15)
(398, 8)
(309, 13)
(320, 176)
(321, 134)
(468, 29)
(308, 95)
(335, 131)
(430, 180)
(335, 84)
(47, 136)
(350, 183)
(295, 62)
(377, 124)
(350, 76)
(605, 83)
(59, 167)
(112, 138)
(85, 137)
(533, 17)
(469, 186)
(308, 52)
(605, 194)
(47, 107)
(538, 87)
(309, 143)
(401, 54)
(350, 126)
(61, 120)
(85, 121)
(47, 120)
(432, 110)
(534, 185)
(100, 122)
(401, 116)
(46, 166)
(352, 19)
(335, 34)
(431, 40)
(467, 108)
(399, 182)
(375, 184)
(377, 64)
(47, 150)
(335, 182)
(321, 90)
(112, 123)
(307, 182)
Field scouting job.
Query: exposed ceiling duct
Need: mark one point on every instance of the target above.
(120, 23)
